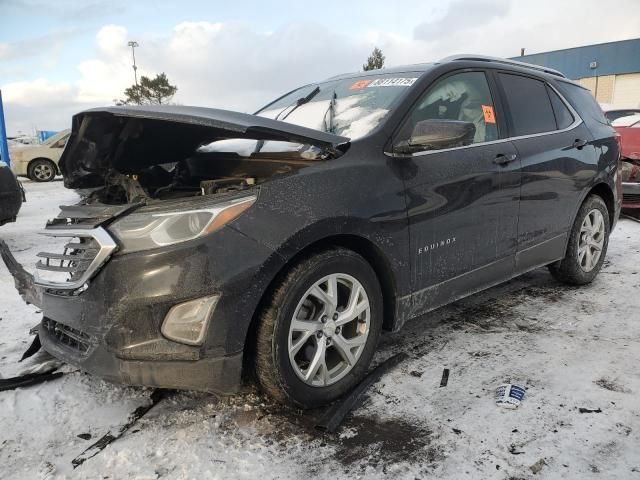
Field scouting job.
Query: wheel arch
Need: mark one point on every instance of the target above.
(356, 243)
(603, 190)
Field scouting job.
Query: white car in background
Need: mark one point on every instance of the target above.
(39, 162)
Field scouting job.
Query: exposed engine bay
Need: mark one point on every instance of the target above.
(196, 176)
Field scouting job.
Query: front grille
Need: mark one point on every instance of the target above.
(631, 197)
(68, 336)
(83, 253)
(73, 262)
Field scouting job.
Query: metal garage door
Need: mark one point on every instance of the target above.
(626, 91)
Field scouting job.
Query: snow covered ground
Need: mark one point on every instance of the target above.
(570, 347)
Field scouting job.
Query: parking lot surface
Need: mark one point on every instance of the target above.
(576, 350)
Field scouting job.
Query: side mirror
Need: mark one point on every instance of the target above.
(436, 135)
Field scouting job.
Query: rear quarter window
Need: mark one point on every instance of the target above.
(564, 118)
(583, 102)
(529, 105)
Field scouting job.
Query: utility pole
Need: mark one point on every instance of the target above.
(133, 44)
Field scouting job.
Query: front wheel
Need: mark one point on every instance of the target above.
(588, 242)
(317, 335)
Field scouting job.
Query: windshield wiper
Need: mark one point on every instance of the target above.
(298, 102)
(331, 110)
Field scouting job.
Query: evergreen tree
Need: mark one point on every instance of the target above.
(375, 60)
(150, 91)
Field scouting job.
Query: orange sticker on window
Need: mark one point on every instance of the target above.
(360, 84)
(489, 116)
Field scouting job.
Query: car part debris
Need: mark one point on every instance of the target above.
(28, 380)
(33, 348)
(513, 451)
(445, 378)
(23, 279)
(536, 467)
(589, 410)
(110, 437)
(335, 414)
(509, 395)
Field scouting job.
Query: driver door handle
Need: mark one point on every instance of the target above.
(502, 159)
(579, 143)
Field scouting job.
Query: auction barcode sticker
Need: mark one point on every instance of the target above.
(392, 82)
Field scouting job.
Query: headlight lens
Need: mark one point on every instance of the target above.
(146, 230)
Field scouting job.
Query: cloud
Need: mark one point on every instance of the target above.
(238, 66)
(224, 65)
(42, 45)
(462, 15)
(38, 104)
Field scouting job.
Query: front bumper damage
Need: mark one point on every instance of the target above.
(112, 327)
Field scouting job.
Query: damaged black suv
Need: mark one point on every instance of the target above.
(212, 248)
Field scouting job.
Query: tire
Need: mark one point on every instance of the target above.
(575, 268)
(282, 377)
(41, 170)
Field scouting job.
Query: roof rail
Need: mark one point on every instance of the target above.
(506, 61)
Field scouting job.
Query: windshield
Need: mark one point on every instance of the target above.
(350, 107)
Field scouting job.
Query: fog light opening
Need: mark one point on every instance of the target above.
(187, 322)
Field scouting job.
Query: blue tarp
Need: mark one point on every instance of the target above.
(45, 134)
(4, 149)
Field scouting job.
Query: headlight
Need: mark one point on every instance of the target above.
(146, 230)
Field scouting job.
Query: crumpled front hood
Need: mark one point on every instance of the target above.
(129, 139)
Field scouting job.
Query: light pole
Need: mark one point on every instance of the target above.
(133, 44)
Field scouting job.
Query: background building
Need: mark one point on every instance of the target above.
(610, 70)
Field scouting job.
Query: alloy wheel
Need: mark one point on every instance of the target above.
(591, 241)
(329, 330)
(43, 171)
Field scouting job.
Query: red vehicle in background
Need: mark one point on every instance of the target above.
(629, 130)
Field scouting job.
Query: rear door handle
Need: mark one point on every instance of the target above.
(578, 143)
(502, 159)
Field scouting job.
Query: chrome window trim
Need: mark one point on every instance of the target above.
(576, 122)
(106, 244)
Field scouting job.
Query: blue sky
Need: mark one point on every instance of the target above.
(58, 57)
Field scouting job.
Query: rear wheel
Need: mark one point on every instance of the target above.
(317, 335)
(587, 246)
(41, 170)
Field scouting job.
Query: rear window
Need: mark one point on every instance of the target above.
(529, 105)
(560, 110)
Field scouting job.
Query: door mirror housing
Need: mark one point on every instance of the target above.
(437, 135)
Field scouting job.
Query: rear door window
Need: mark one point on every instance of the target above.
(529, 105)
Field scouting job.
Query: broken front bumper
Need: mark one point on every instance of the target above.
(112, 328)
(218, 375)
